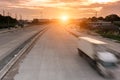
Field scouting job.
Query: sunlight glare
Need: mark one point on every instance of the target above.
(64, 18)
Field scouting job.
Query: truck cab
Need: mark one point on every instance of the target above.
(106, 63)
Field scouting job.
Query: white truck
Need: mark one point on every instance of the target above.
(99, 57)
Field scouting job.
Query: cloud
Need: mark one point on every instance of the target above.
(77, 8)
(112, 8)
(13, 1)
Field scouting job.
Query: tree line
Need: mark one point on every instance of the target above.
(111, 18)
(7, 22)
(112, 28)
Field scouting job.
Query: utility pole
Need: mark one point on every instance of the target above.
(20, 17)
(8, 14)
(8, 20)
(3, 13)
(96, 14)
(21, 21)
(16, 16)
(41, 14)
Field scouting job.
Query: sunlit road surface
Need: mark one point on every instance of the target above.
(54, 57)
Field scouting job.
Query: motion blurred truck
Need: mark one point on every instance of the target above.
(98, 55)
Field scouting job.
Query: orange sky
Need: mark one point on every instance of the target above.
(54, 8)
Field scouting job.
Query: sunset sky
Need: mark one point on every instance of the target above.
(54, 8)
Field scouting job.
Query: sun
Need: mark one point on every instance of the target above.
(64, 18)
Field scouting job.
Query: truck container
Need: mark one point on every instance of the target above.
(98, 55)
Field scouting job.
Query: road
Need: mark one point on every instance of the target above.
(15, 34)
(10, 40)
(54, 57)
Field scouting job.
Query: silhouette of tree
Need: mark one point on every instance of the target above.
(112, 17)
(7, 21)
(100, 18)
(94, 19)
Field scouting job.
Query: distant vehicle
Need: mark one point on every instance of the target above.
(99, 57)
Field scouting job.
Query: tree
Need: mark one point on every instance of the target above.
(112, 17)
(7, 21)
(100, 18)
(94, 19)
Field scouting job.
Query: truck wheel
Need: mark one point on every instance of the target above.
(106, 74)
(80, 52)
(101, 70)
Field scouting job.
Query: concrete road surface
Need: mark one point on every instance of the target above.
(54, 57)
(15, 34)
(9, 41)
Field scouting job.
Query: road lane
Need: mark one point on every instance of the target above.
(11, 40)
(54, 57)
(12, 35)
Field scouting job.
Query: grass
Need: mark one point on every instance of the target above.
(115, 37)
(117, 24)
(111, 36)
